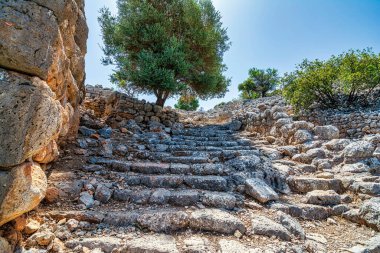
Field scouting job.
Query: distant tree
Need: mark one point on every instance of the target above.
(187, 102)
(259, 83)
(163, 47)
(337, 81)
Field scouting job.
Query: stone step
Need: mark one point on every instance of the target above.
(198, 169)
(185, 159)
(161, 243)
(199, 138)
(211, 133)
(161, 220)
(177, 197)
(206, 143)
(179, 147)
(210, 183)
(308, 184)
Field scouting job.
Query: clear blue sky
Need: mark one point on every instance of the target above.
(267, 33)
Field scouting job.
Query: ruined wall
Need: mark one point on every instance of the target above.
(259, 116)
(42, 49)
(116, 107)
(353, 124)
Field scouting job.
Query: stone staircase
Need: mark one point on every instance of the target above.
(185, 190)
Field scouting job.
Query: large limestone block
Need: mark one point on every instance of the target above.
(30, 117)
(27, 34)
(21, 190)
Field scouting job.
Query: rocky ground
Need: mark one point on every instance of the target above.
(202, 187)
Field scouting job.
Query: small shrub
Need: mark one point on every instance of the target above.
(187, 103)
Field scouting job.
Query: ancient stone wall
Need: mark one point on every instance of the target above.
(352, 124)
(116, 107)
(42, 49)
(259, 116)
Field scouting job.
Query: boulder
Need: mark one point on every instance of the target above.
(359, 149)
(323, 198)
(264, 226)
(370, 188)
(21, 190)
(47, 154)
(292, 225)
(35, 30)
(302, 136)
(40, 238)
(30, 117)
(369, 212)
(103, 193)
(327, 132)
(259, 190)
(235, 125)
(337, 144)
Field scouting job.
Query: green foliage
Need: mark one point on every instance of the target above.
(259, 83)
(277, 92)
(187, 103)
(166, 46)
(334, 82)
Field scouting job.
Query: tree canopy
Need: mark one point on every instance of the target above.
(259, 83)
(337, 81)
(163, 47)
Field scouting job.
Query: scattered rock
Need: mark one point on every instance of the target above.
(32, 226)
(86, 199)
(260, 190)
(292, 225)
(369, 212)
(52, 195)
(264, 226)
(324, 198)
(40, 238)
(302, 136)
(103, 193)
(327, 132)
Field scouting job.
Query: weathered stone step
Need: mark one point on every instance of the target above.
(186, 159)
(211, 183)
(161, 243)
(224, 155)
(227, 137)
(206, 143)
(199, 169)
(202, 133)
(178, 197)
(304, 211)
(161, 220)
(179, 147)
(307, 184)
